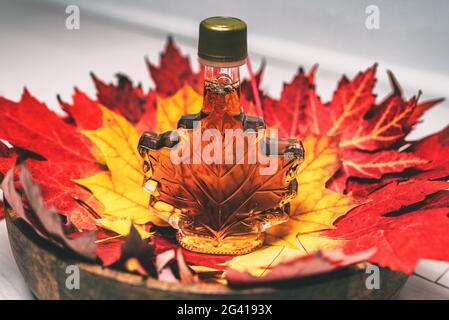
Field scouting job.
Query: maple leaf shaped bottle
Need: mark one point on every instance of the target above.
(220, 178)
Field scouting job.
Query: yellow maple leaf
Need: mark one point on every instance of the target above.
(117, 142)
(314, 210)
(122, 226)
(169, 110)
(120, 188)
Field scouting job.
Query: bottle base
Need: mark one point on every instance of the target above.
(233, 245)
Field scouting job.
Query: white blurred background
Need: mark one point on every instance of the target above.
(39, 52)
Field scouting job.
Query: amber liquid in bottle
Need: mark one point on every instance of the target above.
(220, 199)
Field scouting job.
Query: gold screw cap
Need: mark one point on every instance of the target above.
(222, 39)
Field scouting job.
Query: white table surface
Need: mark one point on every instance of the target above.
(37, 51)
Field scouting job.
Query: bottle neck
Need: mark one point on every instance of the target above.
(222, 76)
(221, 89)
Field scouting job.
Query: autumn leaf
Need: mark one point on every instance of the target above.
(393, 222)
(246, 85)
(12, 196)
(370, 133)
(436, 166)
(389, 123)
(185, 274)
(117, 141)
(7, 157)
(288, 113)
(84, 112)
(136, 255)
(109, 248)
(162, 245)
(434, 148)
(170, 110)
(300, 110)
(387, 126)
(122, 226)
(383, 124)
(162, 266)
(131, 253)
(48, 222)
(300, 267)
(318, 120)
(351, 101)
(420, 109)
(120, 188)
(173, 72)
(7, 160)
(30, 125)
(251, 92)
(2, 210)
(375, 165)
(125, 98)
(148, 120)
(316, 208)
(439, 199)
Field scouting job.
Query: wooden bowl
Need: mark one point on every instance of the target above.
(43, 266)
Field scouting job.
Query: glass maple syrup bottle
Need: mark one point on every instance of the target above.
(219, 178)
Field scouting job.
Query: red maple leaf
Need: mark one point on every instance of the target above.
(84, 112)
(288, 114)
(350, 102)
(200, 259)
(401, 223)
(173, 72)
(300, 109)
(300, 267)
(7, 159)
(362, 172)
(420, 109)
(30, 125)
(246, 85)
(109, 249)
(434, 148)
(123, 97)
(47, 222)
(385, 125)
(375, 165)
(251, 93)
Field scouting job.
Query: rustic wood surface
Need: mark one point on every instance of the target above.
(44, 268)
